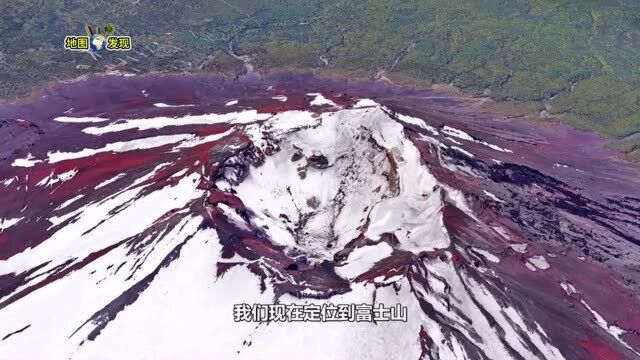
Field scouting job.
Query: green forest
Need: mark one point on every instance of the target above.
(579, 59)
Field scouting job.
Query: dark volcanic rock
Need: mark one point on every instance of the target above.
(143, 209)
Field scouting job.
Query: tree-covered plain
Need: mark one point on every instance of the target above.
(579, 59)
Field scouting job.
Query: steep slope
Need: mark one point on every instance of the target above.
(136, 232)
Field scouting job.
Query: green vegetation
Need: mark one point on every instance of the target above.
(582, 58)
(604, 103)
(109, 29)
(290, 53)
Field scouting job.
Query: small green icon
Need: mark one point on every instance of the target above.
(110, 29)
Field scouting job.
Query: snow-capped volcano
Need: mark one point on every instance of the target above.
(349, 187)
(133, 230)
(339, 176)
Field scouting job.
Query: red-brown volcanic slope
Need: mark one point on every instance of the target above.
(136, 211)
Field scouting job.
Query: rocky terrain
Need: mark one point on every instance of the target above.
(137, 211)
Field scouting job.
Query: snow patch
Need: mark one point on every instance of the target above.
(7, 223)
(519, 248)
(163, 105)
(109, 181)
(9, 181)
(241, 117)
(418, 122)
(538, 262)
(383, 280)
(195, 141)
(26, 162)
(51, 180)
(119, 147)
(487, 255)
(80, 120)
(493, 197)
(465, 136)
(362, 259)
(234, 217)
(98, 225)
(463, 151)
(568, 288)
(69, 202)
(320, 100)
(363, 103)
